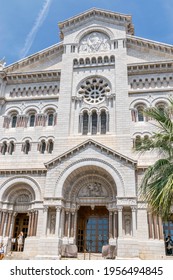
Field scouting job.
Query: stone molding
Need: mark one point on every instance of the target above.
(95, 13)
(83, 145)
(149, 44)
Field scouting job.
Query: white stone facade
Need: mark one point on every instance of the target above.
(69, 118)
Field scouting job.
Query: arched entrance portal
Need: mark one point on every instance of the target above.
(92, 228)
(89, 217)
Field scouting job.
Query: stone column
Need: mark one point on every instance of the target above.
(62, 226)
(134, 221)
(58, 209)
(75, 224)
(32, 224)
(12, 224)
(155, 227)
(45, 215)
(8, 224)
(150, 225)
(5, 224)
(110, 225)
(160, 228)
(35, 222)
(2, 223)
(66, 223)
(72, 224)
(29, 224)
(115, 219)
(69, 224)
(0, 217)
(120, 221)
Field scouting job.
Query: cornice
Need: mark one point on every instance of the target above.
(35, 58)
(81, 146)
(33, 77)
(150, 67)
(111, 17)
(33, 171)
(149, 44)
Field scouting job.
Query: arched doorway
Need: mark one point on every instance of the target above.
(20, 224)
(92, 228)
(90, 203)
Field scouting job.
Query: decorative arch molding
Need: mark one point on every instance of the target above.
(112, 171)
(49, 107)
(94, 28)
(16, 182)
(31, 108)
(139, 101)
(11, 110)
(158, 100)
(79, 188)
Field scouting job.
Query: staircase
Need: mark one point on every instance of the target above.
(16, 256)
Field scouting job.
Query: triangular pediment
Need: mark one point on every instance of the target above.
(96, 14)
(84, 145)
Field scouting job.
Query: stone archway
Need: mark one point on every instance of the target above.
(19, 213)
(92, 190)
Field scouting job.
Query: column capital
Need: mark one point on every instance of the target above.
(119, 208)
(45, 209)
(133, 208)
(58, 208)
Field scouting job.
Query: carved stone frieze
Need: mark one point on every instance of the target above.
(126, 201)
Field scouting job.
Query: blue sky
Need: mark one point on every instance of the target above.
(28, 26)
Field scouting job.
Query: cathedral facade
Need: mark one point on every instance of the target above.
(70, 117)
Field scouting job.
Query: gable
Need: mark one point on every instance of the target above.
(96, 15)
(142, 50)
(89, 144)
(45, 60)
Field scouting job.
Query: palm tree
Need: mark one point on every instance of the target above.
(157, 184)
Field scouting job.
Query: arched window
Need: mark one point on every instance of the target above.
(161, 106)
(50, 146)
(103, 122)
(50, 119)
(138, 141)
(112, 58)
(140, 113)
(14, 121)
(26, 147)
(11, 148)
(87, 61)
(85, 123)
(4, 148)
(93, 60)
(32, 120)
(43, 147)
(94, 122)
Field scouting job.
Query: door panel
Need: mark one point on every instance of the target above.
(93, 228)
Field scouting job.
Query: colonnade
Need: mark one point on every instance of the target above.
(155, 226)
(7, 221)
(66, 222)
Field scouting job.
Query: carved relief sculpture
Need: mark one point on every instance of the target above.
(94, 42)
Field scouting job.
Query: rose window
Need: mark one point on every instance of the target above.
(94, 90)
